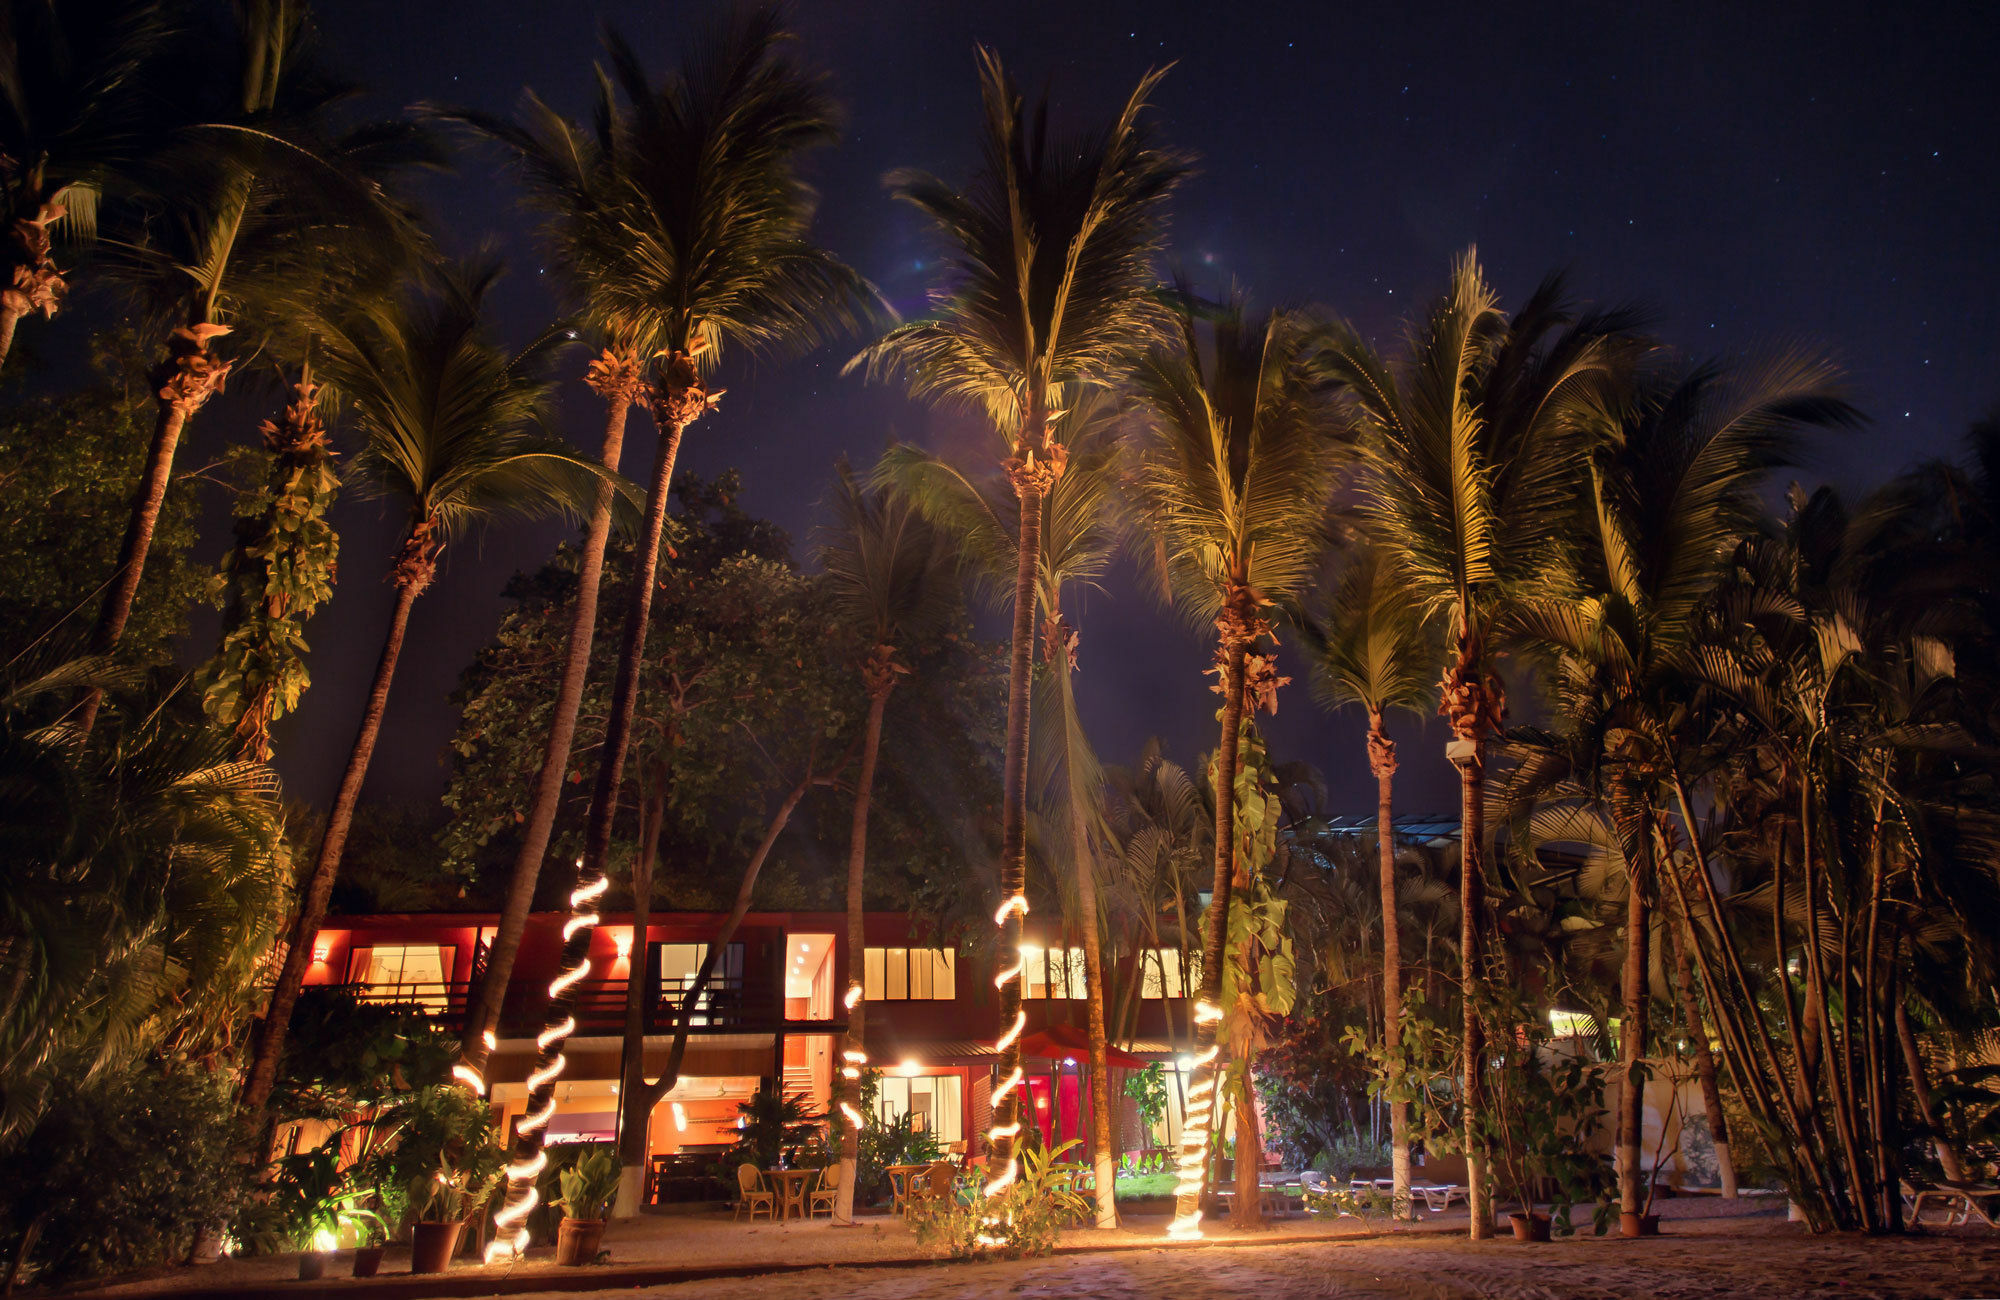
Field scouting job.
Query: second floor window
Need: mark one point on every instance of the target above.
(406, 972)
(909, 974)
(1053, 973)
(681, 962)
(1168, 973)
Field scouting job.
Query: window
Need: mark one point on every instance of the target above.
(681, 962)
(933, 1103)
(1168, 973)
(909, 974)
(418, 973)
(1052, 973)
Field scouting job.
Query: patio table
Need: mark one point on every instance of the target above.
(899, 1184)
(791, 1186)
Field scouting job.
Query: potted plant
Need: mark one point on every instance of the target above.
(371, 1239)
(587, 1186)
(441, 1202)
(1541, 1112)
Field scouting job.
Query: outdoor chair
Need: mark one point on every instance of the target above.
(752, 1195)
(1961, 1202)
(1441, 1181)
(826, 1193)
(930, 1190)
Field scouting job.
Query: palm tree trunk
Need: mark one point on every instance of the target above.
(635, 1121)
(29, 274)
(617, 379)
(1102, 1166)
(1030, 483)
(414, 566)
(1204, 1099)
(673, 410)
(1382, 762)
(1469, 706)
(187, 379)
(846, 1088)
(1632, 1038)
(10, 316)
(1249, 1208)
(1920, 1086)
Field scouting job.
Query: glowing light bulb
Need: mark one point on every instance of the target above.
(680, 1118)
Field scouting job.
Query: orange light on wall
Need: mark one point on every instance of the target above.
(321, 950)
(623, 942)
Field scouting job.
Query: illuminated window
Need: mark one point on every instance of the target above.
(681, 962)
(416, 973)
(1168, 973)
(1052, 973)
(909, 974)
(933, 1103)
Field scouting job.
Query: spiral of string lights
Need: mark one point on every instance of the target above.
(855, 1059)
(510, 1227)
(1198, 1124)
(1002, 1174)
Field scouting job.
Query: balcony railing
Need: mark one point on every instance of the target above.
(598, 1005)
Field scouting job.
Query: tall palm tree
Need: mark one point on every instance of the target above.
(1077, 539)
(449, 420)
(81, 102)
(705, 245)
(1368, 646)
(1236, 474)
(895, 587)
(250, 223)
(661, 262)
(1469, 463)
(1051, 250)
(1672, 487)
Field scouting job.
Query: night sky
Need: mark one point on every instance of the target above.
(1751, 172)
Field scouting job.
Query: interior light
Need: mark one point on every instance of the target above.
(680, 1119)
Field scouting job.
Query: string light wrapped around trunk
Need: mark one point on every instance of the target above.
(1002, 1174)
(856, 1059)
(510, 1227)
(1197, 1124)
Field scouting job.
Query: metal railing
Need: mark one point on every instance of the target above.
(598, 1005)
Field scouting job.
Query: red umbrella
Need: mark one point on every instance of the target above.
(1058, 1042)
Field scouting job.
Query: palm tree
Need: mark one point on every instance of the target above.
(80, 104)
(1468, 455)
(1077, 539)
(1052, 250)
(1235, 474)
(253, 223)
(631, 236)
(448, 418)
(1369, 647)
(1671, 488)
(704, 245)
(895, 588)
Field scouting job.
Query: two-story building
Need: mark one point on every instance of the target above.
(771, 1015)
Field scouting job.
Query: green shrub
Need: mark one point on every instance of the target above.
(122, 1172)
(589, 1183)
(1022, 1221)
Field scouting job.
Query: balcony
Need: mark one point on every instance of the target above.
(598, 1005)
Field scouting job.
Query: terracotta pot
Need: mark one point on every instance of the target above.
(1530, 1227)
(1638, 1225)
(432, 1245)
(312, 1266)
(577, 1241)
(368, 1260)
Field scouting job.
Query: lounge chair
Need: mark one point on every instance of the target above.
(752, 1195)
(826, 1193)
(1961, 1201)
(1440, 1181)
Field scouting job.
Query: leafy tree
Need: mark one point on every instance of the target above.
(1052, 249)
(277, 576)
(447, 415)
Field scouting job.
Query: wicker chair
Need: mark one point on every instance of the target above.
(931, 1190)
(752, 1195)
(828, 1191)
